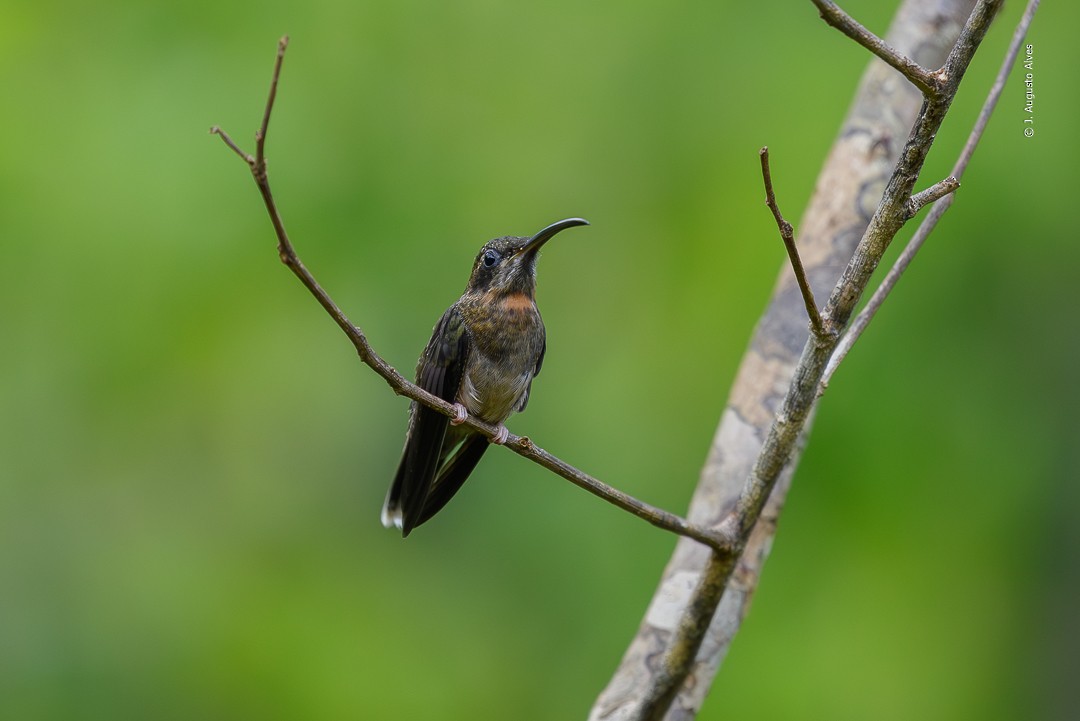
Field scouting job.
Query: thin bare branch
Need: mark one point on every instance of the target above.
(260, 135)
(660, 518)
(862, 320)
(882, 292)
(249, 159)
(926, 81)
(788, 235)
(402, 386)
(994, 95)
(935, 192)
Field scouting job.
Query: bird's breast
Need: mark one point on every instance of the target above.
(507, 337)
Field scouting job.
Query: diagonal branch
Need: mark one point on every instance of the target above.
(787, 233)
(402, 386)
(926, 81)
(934, 193)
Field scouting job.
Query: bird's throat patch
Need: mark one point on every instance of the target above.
(517, 302)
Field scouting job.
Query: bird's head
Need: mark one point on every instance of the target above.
(508, 265)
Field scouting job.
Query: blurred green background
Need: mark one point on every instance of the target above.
(192, 458)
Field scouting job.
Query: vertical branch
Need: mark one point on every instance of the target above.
(787, 233)
(260, 134)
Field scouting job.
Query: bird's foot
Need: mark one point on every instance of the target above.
(501, 434)
(460, 414)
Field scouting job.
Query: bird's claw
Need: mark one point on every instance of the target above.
(460, 414)
(501, 434)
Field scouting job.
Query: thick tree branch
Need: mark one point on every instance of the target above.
(402, 386)
(678, 661)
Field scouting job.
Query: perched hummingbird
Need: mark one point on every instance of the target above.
(482, 357)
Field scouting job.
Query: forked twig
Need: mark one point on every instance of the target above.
(862, 320)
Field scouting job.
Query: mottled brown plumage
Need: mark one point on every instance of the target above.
(483, 355)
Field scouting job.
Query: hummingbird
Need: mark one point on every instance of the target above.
(483, 355)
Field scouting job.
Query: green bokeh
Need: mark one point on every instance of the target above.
(192, 459)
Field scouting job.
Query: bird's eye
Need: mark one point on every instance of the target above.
(491, 257)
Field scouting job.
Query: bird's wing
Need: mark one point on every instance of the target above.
(536, 371)
(439, 372)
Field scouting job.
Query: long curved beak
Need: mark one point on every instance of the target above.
(549, 232)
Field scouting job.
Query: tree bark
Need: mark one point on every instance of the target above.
(847, 193)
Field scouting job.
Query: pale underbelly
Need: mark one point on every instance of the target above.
(492, 394)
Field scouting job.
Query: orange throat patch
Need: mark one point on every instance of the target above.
(517, 302)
